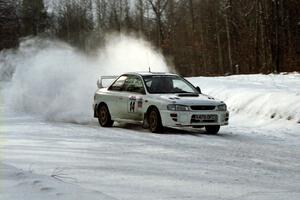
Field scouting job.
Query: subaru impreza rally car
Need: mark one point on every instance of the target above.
(157, 100)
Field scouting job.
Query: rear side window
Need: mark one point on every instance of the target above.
(118, 84)
(134, 84)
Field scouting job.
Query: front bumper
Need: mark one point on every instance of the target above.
(187, 118)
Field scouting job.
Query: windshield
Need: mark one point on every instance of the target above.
(158, 84)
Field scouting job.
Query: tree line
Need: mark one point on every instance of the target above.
(200, 37)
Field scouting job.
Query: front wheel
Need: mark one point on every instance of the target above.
(154, 121)
(104, 117)
(212, 129)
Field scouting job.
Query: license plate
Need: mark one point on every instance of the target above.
(205, 117)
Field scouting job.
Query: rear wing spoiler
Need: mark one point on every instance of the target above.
(100, 80)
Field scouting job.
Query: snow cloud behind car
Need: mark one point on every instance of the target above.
(54, 80)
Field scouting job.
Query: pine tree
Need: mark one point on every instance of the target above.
(9, 24)
(34, 17)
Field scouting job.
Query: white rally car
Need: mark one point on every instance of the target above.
(157, 100)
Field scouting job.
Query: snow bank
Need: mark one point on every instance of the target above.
(53, 79)
(259, 97)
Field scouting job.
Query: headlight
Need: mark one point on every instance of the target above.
(176, 107)
(222, 107)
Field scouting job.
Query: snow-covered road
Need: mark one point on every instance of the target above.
(127, 162)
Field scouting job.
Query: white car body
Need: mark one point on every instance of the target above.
(132, 107)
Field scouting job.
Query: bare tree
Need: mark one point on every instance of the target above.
(140, 12)
(75, 22)
(158, 7)
(102, 14)
(228, 33)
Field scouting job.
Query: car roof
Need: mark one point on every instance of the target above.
(150, 73)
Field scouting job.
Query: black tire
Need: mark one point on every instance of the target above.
(154, 121)
(104, 117)
(212, 129)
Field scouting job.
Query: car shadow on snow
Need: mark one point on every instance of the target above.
(196, 132)
(166, 131)
(133, 127)
(174, 131)
(177, 131)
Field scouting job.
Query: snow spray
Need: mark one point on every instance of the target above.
(54, 80)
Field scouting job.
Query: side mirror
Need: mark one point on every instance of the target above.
(198, 89)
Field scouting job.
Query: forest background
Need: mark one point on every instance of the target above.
(198, 37)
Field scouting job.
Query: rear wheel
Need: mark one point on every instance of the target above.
(104, 117)
(154, 121)
(212, 129)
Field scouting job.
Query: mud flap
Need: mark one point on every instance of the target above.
(95, 111)
(145, 122)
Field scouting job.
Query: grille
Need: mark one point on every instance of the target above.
(203, 121)
(200, 107)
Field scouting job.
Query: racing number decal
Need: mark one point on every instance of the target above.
(132, 106)
(134, 103)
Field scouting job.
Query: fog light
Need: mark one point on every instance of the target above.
(173, 114)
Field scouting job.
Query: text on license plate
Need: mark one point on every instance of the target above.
(205, 117)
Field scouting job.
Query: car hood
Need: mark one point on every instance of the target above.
(185, 99)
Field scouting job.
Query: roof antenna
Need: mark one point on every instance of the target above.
(149, 69)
